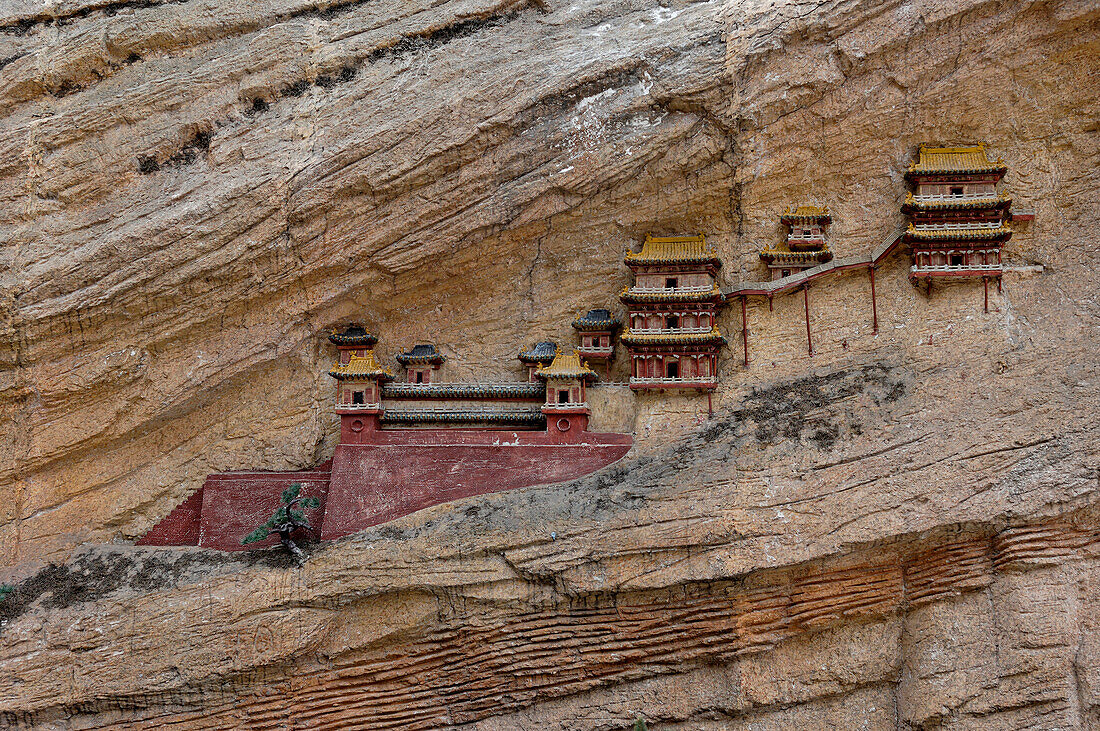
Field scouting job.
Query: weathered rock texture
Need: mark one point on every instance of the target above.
(901, 532)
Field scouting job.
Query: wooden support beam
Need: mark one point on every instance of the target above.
(806, 300)
(874, 307)
(985, 283)
(745, 329)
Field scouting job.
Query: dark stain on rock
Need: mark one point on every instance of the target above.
(92, 576)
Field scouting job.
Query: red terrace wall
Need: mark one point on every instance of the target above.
(393, 474)
(236, 503)
(180, 527)
(402, 472)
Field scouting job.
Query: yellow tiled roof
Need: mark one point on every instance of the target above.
(955, 159)
(783, 253)
(674, 250)
(987, 201)
(976, 234)
(629, 295)
(806, 211)
(632, 338)
(566, 367)
(360, 366)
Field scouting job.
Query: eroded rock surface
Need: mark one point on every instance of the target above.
(900, 532)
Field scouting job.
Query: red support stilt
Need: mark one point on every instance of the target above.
(985, 281)
(710, 406)
(874, 307)
(806, 299)
(770, 304)
(745, 329)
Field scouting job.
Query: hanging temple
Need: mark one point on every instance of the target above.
(413, 441)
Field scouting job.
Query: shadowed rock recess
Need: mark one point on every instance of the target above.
(901, 531)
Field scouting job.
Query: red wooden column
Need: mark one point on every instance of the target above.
(806, 300)
(745, 329)
(985, 283)
(874, 307)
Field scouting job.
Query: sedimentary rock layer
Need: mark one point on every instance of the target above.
(898, 531)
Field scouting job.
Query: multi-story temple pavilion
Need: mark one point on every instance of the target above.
(672, 333)
(804, 246)
(358, 373)
(596, 331)
(958, 221)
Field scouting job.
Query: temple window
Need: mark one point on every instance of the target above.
(563, 397)
(670, 282)
(956, 260)
(672, 369)
(357, 397)
(672, 321)
(956, 190)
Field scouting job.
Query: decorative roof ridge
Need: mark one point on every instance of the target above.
(806, 210)
(674, 250)
(958, 158)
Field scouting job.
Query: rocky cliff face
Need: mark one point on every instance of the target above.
(899, 532)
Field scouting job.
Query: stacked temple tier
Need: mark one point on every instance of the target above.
(958, 221)
(672, 332)
(805, 246)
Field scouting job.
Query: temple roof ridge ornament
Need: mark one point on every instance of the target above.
(541, 352)
(806, 213)
(964, 159)
(567, 366)
(597, 319)
(421, 354)
(658, 250)
(353, 334)
(360, 366)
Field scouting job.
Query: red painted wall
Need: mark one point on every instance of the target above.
(180, 527)
(373, 483)
(236, 503)
(396, 473)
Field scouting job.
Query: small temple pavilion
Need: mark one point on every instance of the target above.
(358, 373)
(672, 332)
(567, 377)
(537, 356)
(804, 246)
(420, 362)
(957, 219)
(596, 331)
